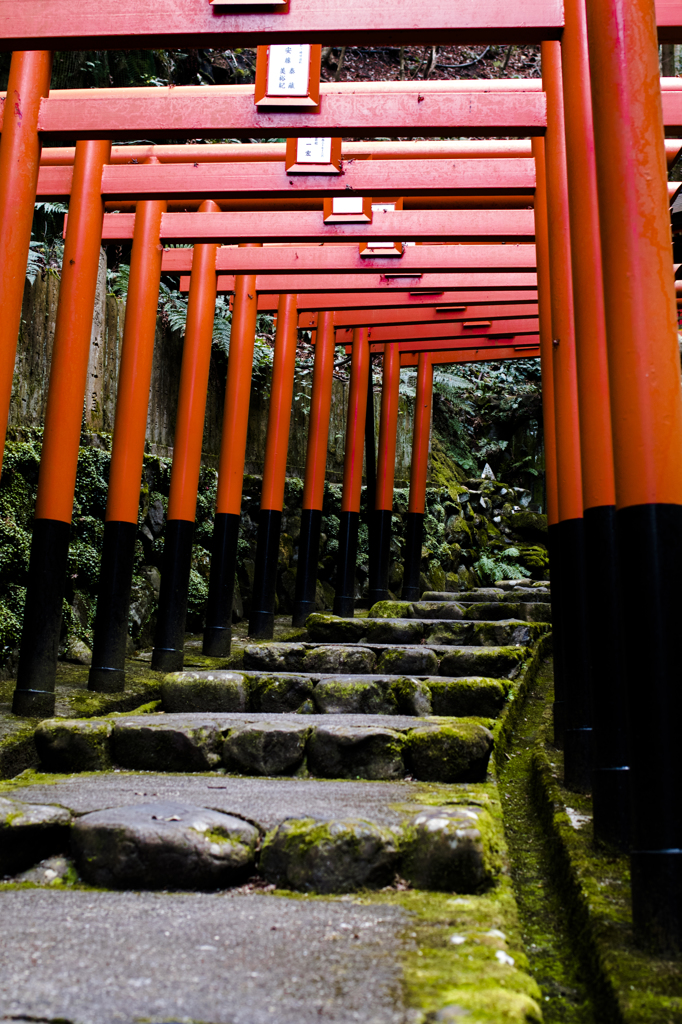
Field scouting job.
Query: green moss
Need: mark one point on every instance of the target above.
(390, 610)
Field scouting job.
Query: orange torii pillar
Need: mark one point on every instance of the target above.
(34, 694)
(646, 416)
(29, 81)
(107, 673)
(315, 468)
(383, 506)
(569, 544)
(610, 775)
(549, 427)
(218, 631)
(168, 653)
(414, 526)
(344, 598)
(262, 617)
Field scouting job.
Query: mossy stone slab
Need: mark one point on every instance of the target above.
(275, 657)
(29, 833)
(165, 745)
(438, 610)
(339, 659)
(525, 611)
(412, 696)
(449, 753)
(164, 845)
(354, 695)
(452, 849)
(394, 631)
(204, 691)
(356, 752)
(329, 857)
(273, 748)
(416, 661)
(470, 696)
(280, 693)
(492, 662)
(334, 629)
(390, 610)
(442, 632)
(77, 745)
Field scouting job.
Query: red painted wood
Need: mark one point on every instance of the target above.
(473, 355)
(233, 152)
(434, 315)
(444, 344)
(308, 226)
(179, 260)
(270, 180)
(363, 301)
(83, 25)
(412, 332)
(347, 109)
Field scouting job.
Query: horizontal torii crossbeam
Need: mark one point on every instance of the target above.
(478, 355)
(436, 314)
(506, 107)
(79, 25)
(387, 282)
(260, 179)
(308, 226)
(397, 303)
(346, 260)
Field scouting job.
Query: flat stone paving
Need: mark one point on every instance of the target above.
(220, 958)
(265, 802)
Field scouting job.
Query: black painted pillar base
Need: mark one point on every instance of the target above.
(414, 535)
(611, 806)
(107, 673)
(169, 641)
(610, 777)
(306, 569)
(559, 706)
(344, 598)
(378, 567)
(262, 617)
(34, 693)
(657, 900)
(569, 545)
(652, 663)
(218, 631)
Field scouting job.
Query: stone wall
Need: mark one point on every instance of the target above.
(31, 378)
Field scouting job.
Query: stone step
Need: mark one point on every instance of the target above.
(268, 692)
(504, 632)
(489, 594)
(198, 832)
(342, 746)
(490, 611)
(452, 660)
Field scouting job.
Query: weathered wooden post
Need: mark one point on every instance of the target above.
(344, 598)
(107, 673)
(569, 549)
(262, 617)
(168, 652)
(610, 775)
(34, 694)
(419, 466)
(383, 506)
(218, 631)
(315, 469)
(646, 416)
(29, 81)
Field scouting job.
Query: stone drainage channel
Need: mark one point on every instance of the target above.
(314, 834)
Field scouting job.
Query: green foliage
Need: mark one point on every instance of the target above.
(503, 566)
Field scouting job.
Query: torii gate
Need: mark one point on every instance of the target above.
(640, 329)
